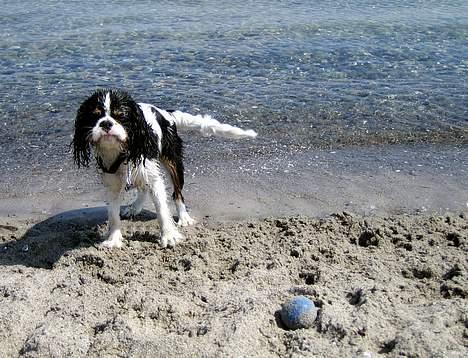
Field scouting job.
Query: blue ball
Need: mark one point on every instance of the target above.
(299, 312)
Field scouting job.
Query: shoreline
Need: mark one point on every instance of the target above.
(367, 181)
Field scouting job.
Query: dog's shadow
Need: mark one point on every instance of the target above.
(46, 242)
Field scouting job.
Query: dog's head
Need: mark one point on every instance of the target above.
(110, 121)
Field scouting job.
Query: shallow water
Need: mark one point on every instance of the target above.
(327, 74)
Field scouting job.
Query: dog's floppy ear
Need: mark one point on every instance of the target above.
(80, 142)
(142, 142)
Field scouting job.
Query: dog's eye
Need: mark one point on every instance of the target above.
(97, 111)
(118, 114)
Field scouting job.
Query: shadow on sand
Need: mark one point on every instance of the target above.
(47, 241)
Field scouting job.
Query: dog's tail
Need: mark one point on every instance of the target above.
(210, 126)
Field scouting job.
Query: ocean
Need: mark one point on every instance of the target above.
(304, 74)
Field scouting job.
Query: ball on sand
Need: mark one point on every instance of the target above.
(299, 312)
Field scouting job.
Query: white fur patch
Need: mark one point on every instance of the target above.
(170, 238)
(117, 130)
(107, 103)
(184, 217)
(114, 240)
(169, 233)
(210, 126)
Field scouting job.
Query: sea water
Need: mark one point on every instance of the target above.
(304, 74)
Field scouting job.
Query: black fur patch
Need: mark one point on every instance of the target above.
(171, 143)
(172, 152)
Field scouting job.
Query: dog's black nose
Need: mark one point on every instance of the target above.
(106, 125)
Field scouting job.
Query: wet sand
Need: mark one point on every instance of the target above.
(227, 185)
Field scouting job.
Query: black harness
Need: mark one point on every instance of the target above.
(115, 166)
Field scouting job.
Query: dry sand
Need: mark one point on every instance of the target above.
(391, 286)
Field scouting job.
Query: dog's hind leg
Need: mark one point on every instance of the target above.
(176, 170)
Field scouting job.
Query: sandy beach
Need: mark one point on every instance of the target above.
(380, 249)
(386, 286)
(354, 194)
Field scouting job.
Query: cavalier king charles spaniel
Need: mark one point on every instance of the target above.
(133, 143)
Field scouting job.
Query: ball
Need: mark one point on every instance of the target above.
(299, 312)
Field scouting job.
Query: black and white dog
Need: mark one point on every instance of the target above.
(133, 143)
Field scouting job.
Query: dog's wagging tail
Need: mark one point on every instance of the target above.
(133, 144)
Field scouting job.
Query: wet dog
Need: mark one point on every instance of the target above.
(133, 143)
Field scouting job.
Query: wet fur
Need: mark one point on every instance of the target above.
(142, 142)
(149, 142)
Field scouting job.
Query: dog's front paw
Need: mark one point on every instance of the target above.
(185, 220)
(170, 238)
(113, 240)
(129, 212)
